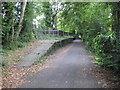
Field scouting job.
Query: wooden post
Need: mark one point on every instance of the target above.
(53, 33)
(49, 33)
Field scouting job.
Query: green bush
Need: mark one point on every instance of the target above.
(105, 50)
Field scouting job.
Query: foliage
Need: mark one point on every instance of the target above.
(27, 30)
(95, 22)
(10, 24)
(47, 9)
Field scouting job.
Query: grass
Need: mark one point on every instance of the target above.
(54, 37)
(43, 58)
(15, 46)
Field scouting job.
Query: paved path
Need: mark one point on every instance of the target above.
(69, 69)
(37, 53)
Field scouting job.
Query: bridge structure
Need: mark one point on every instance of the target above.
(53, 33)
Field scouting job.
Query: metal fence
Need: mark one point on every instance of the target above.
(52, 33)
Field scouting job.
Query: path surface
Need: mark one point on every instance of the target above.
(37, 53)
(71, 68)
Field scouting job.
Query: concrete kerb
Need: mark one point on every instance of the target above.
(58, 44)
(45, 50)
(55, 46)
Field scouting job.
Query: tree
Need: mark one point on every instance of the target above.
(27, 30)
(47, 10)
(15, 32)
(21, 17)
(7, 22)
(94, 21)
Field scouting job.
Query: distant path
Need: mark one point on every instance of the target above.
(71, 68)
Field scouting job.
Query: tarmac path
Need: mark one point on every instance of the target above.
(71, 68)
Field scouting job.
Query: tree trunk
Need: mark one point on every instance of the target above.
(21, 18)
(13, 30)
(116, 28)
